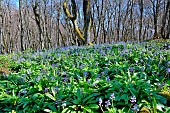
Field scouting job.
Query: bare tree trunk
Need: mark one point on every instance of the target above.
(155, 8)
(73, 18)
(87, 20)
(141, 19)
(118, 22)
(168, 28)
(164, 20)
(37, 19)
(131, 19)
(0, 27)
(124, 21)
(21, 25)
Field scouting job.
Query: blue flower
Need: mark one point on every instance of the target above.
(131, 69)
(24, 91)
(112, 96)
(135, 107)
(85, 74)
(133, 99)
(88, 80)
(78, 77)
(38, 78)
(100, 101)
(7, 91)
(108, 79)
(46, 90)
(14, 57)
(102, 73)
(53, 65)
(55, 88)
(56, 102)
(107, 103)
(65, 79)
(168, 70)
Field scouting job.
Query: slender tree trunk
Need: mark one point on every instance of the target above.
(87, 20)
(168, 28)
(37, 19)
(0, 27)
(124, 21)
(118, 22)
(164, 20)
(156, 5)
(21, 26)
(141, 19)
(131, 19)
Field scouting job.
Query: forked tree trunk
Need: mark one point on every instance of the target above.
(84, 38)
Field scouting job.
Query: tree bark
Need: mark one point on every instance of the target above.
(74, 17)
(164, 20)
(0, 28)
(168, 28)
(37, 19)
(21, 26)
(155, 8)
(141, 19)
(87, 20)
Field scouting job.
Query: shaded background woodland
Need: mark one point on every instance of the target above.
(30, 23)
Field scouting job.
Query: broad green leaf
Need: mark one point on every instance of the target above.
(87, 109)
(90, 96)
(95, 106)
(65, 110)
(50, 96)
(35, 96)
(52, 107)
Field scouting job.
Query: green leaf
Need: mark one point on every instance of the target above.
(120, 111)
(79, 96)
(90, 96)
(168, 82)
(35, 96)
(75, 101)
(41, 101)
(133, 91)
(87, 109)
(52, 107)
(25, 104)
(154, 105)
(50, 96)
(125, 97)
(94, 106)
(65, 110)
(4, 81)
(39, 87)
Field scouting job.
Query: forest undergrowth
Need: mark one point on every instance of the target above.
(109, 78)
